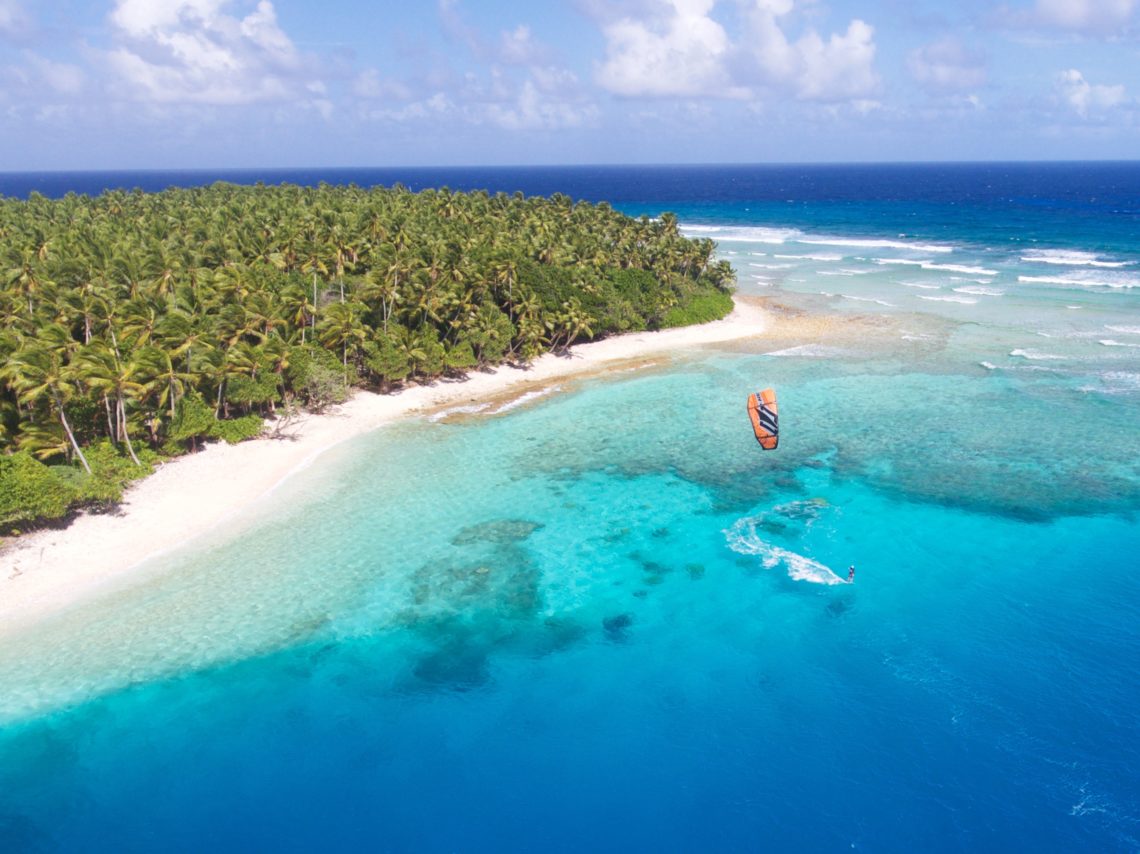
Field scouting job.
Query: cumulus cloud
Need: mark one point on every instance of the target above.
(518, 47)
(192, 51)
(510, 96)
(1097, 18)
(60, 77)
(533, 109)
(523, 89)
(15, 22)
(947, 66)
(678, 49)
(369, 84)
(1089, 15)
(1086, 98)
(839, 69)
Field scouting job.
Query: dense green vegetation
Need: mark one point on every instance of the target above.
(137, 325)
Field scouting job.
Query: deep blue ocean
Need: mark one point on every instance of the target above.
(601, 619)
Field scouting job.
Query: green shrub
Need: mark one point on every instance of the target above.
(461, 357)
(317, 376)
(249, 391)
(30, 490)
(111, 471)
(234, 430)
(385, 358)
(552, 286)
(193, 419)
(701, 308)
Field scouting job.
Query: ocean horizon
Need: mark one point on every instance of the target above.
(605, 619)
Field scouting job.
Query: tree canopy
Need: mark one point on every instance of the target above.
(144, 323)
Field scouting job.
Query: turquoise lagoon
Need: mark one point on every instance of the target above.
(603, 619)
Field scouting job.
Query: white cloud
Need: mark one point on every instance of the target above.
(192, 51)
(521, 90)
(59, 76)
(1085, 15)
(841, 68)
(947, 66)
(518, 47)
(15, 22)
(680, 50)
(369, 84)
(838, 69)
(1084, 97)
(48, 88)
(534, 109)
(1097, 18)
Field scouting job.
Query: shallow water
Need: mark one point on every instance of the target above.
(605, 619)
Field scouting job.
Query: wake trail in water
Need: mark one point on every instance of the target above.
(743, 539)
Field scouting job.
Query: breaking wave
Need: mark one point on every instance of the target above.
(930, 265)
(1069, 258)
(960, 300)
(979, 290)
(1085, 279)
(857, 243)
(525, 398)
(809, 351)
(1036, 355)
(744, 234)
(812, 257)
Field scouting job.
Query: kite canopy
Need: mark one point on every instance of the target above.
(762, 412)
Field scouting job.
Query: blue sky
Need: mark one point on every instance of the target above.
(93, 84)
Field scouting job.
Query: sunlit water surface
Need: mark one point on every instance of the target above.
(604, 619)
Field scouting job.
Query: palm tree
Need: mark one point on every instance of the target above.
(37, 373)
(99, 367)
(341, 327)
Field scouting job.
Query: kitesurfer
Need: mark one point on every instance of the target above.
(851, 574)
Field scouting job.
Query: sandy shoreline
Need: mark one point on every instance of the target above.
(47, 571)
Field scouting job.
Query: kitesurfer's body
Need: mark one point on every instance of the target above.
(851, 574)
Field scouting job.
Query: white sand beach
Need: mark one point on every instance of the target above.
(47, 571)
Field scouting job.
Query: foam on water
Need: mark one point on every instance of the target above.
(1108, 342)
(809, 257)
(863, 243)
(1115, 383)
(867, 299)
(1086, 279)
(980, 290)
(612, 603)
(1036, 355)
(743, 234)
(743, 538)
(809, 351)
(959, 300)
(1070, 258)
(524, 399)
(926, 286)
(931, 265)
(469, 409)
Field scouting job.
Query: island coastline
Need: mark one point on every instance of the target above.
(45, 572)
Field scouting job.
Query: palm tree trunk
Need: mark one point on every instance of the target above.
(71, 435)
(126, 433)
(111, 428)
(314, 319)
